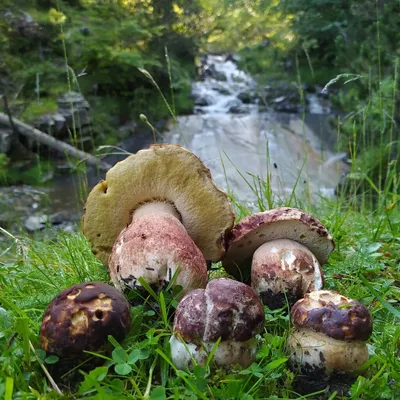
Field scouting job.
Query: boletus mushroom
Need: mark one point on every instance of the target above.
(329, 334)
(225, 309)
(158, 210)
(82, 317)
(281, 251)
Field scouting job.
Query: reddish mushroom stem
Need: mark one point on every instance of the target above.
(283, 271)
(154, 247)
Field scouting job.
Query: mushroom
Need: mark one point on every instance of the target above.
(82, 317)
(158, 211)
(329, 334)
(281, 251)
(225, 309)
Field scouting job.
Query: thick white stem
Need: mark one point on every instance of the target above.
(156, 207)
(229, 353)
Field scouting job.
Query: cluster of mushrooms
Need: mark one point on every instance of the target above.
(159, 216)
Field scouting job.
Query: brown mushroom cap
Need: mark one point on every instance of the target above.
(280, 223)
(284, 270)
(166, 173)
(333, 315)
(225, 309)
(154, 249)
(81, 317)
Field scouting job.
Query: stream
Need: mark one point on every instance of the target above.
(239, 141)
(235, 133)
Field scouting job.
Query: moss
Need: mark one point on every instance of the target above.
(37, 108)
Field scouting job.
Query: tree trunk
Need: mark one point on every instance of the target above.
(58, 145)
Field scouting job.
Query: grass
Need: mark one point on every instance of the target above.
(364, 266)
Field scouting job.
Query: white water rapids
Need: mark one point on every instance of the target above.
(232, 145)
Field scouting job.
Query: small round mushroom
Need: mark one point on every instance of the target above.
(225, 309)
(281, 251)
(157, 211)
(82, 317)
(329, 334)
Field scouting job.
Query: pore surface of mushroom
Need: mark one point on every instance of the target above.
(225, 309)
(160, 200)
(281, 251)
(81, 317)
(329, 333)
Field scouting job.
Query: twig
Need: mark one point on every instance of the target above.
(49, 377)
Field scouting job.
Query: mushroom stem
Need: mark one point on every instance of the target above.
(283, 269)
(228, 353)
(155, 207)
(153, 247)
(313, 351)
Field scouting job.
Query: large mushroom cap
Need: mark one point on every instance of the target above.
(280, 223)
(333, 315)
(166, 173)
(82, 317)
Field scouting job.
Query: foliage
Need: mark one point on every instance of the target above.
(33, 173)
(3, 167)
(334, 31)
(48, 47)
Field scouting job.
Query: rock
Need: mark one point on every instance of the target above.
(23, 25)
(233, 57)
(72, 99)
(5, 139)
(279, 99)
(236, 107)
(309, 88)
(75, 109)
(222, 90)
(201, 101)
(53, 124)
(282, 96)
(248, 97)
(212, 72)
(36, 222)
(287, 107)
(126, 130)
(59, 218)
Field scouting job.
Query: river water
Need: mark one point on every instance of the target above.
(238, 142)
(236, 147)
